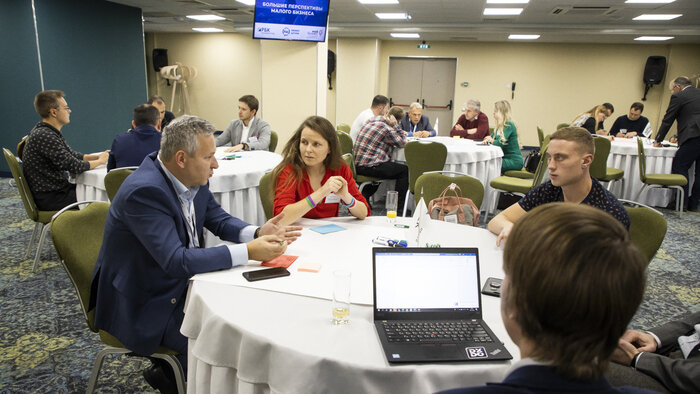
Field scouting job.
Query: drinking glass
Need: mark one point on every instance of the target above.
(341, 297)
(392, 202)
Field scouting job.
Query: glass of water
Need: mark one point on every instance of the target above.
(392, 202)
(341, 297)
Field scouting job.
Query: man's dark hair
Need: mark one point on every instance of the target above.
(250, 101)
(146, 114)
(44, 101)
(397, 112)
(155, 99)
(379, 100)
(682, 81)
(637, 106)
(609, 107)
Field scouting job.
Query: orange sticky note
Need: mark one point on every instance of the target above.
(281, 261)
(309, 267)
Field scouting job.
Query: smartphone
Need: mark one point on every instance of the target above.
(492, 287)
(252, 276)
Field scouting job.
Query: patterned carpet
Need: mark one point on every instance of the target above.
(46, 347)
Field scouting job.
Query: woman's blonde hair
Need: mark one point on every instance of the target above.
(593, 112)
(501, 115)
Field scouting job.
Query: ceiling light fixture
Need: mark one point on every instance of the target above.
(405, 35)
(507, 1)
(657, 17)
(502, 11)
(206, 17)
(523, 36)
(246, 2)
(207, 29)
(392, 15)
(653, 38)
(649, 1)
(374, 2)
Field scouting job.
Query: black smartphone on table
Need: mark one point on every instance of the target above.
(492, 287)
(276, 272)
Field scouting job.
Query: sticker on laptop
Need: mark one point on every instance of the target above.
(476, 352)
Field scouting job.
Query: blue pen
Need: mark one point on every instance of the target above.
(397, 244)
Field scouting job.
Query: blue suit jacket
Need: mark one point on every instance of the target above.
(423, 124)
(129, 149)
(544, 379)
(144, 264)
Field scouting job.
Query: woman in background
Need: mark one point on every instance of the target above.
(592, 120)
(505, 135)
(312, 179)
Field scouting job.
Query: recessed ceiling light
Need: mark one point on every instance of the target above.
(207, 29)
(653, 38)
(657, 17)
(523, 36)
(392, 15)
(378, 1)
(206, 17)
(405, 35)
(649, 1)
(247, 2)
(507, 1)
(502, 11)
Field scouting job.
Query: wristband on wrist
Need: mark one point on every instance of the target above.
(633, 364)
(350, 205)
(311, 202)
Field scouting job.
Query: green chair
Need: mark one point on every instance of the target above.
(41, 218)
(350, 161)
(422, 157)
(343, 127)
(525, 174)
(647, 227)
(599, 168)
(673, 181)
(20, 147)
(267, 194)
(562, 125)
(431, 184)
(77, 236)
(345, 142)
(115, 178)
(519, 186)
(273, 141)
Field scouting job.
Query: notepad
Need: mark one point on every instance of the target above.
(328, 228)
(280, 261)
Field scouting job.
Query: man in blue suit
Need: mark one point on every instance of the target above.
(415, 123)
(573, 280)
(153, 243)
(130, 148)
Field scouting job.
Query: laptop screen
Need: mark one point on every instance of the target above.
(419, 281)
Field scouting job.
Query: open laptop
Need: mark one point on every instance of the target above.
(427, 306)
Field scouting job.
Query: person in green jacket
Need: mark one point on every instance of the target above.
(505, 135)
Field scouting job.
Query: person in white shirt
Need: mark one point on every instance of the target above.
(380, 107)
(247, 132)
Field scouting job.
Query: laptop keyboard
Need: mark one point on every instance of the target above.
(435, 331)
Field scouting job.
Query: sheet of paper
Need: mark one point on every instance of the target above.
(309, 267)
(281, 261)
(328, 228)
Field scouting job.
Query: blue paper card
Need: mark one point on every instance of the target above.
(328, 228)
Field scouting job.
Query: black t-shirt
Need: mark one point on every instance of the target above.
(589, 125)
(623, 122)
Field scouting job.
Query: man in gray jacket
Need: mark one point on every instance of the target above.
(247, 132)
(670, 354)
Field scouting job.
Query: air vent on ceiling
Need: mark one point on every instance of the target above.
(583, 10)
(233, 11)
(158, 15)
(463, 39)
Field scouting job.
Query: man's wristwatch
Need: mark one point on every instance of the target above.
(246, 146)
(257, 233)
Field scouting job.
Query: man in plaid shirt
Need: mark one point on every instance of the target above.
(373, 148)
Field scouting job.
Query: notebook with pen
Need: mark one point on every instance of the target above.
(427, 306)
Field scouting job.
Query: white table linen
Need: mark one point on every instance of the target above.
(276, 335)
(467, 156)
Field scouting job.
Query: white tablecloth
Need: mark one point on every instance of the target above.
(624, 155)
(234, 184)
(276, 335)
(463, 155)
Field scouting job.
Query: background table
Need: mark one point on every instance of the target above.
(234, 184)
(276, 335)
(482, 162)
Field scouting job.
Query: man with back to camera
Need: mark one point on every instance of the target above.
(248, 132)
(573, 281)
(47, 159)
(379, 107)
(633, 124)
(153, 243)
(165, 116)
(130, 148)
(415, 123)
(684, 107)
(569, 156)
(473, 124)
(376, 142)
